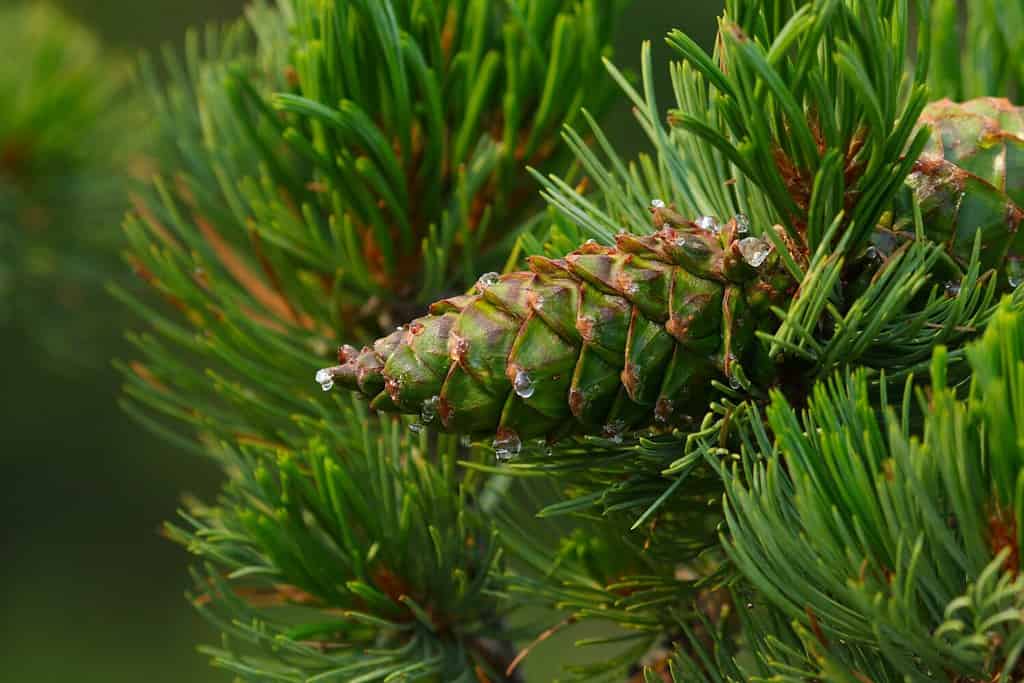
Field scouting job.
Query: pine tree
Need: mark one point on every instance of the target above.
(761, 420)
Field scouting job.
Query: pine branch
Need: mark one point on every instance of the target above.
(357, 555)
(883, 538)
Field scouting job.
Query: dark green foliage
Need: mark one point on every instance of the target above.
(67, 134)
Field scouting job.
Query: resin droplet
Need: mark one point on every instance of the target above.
(755, 251)
(523, 385)
(952, 289)
(428, 412)
(742, 224)
(707, 223)
(325, 378)
(486, 281)
(657, 204)
(506, 445)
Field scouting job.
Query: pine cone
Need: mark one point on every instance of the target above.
(613, 339)
(971, 177)
(606, 339)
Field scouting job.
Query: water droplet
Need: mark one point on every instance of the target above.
(613, 431)
(415, 428)
(742, 224)
(1015, 271)
(708, 223)
(506, 445)
(400, 328)
(680, 241)
(486, 281)
(952, 289)
(523, 384)
(657, 204)
(735, 383)
(465, 441)
(325, 378)
(755, 251)
(428, 412)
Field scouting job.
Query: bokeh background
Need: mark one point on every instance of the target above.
(90, 591)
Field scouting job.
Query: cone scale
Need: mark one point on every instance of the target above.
(611, 339)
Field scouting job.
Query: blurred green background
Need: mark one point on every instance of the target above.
(90, 590)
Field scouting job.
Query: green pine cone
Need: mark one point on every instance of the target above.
(971, 177)
(604, 340)
(613, 339)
